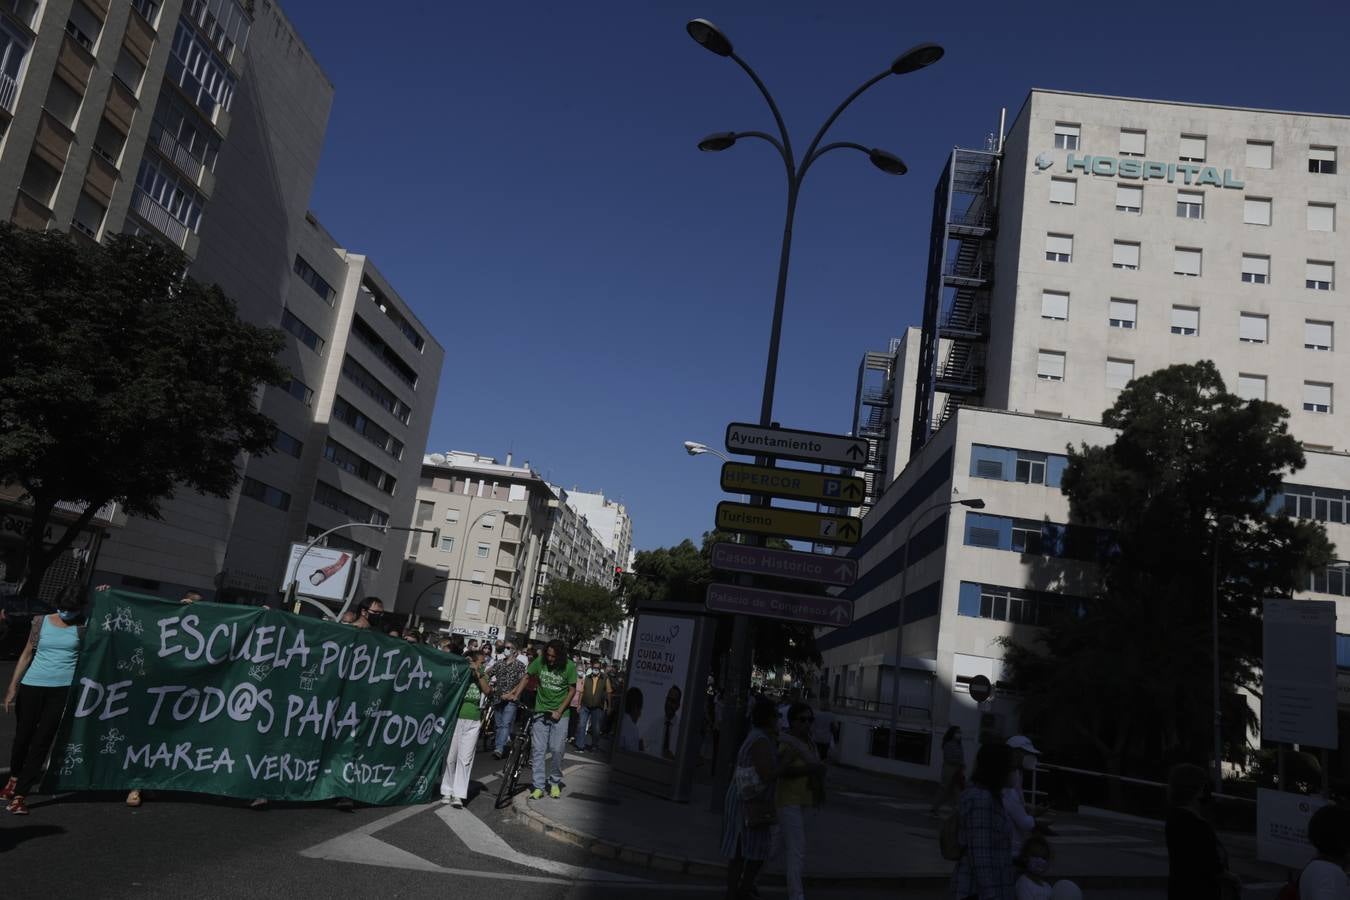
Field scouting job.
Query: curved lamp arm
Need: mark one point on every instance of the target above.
(786, 147)
(837, 145)
(811, 150)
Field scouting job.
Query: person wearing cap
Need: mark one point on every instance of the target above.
(1023, 823)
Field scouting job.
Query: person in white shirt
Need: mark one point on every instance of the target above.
(1023, 823)
(1324, 878)
(823, 731)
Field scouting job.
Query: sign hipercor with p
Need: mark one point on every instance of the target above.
(803, 446)
(248, 702)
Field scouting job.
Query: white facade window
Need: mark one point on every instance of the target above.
(447, 544)
(1321, 217)
(489, 521)
(1129, 198)
(479, 576)
(1192, 148)
(1322, 160)
(1190, 205)
(1185, 320)
(1255, 269)
(1119, 372)
(1050, 365)
(1256, 210)
(1320, 276)
(1054, 305)
(1251, 387)
(1125, 255)
(1059, 247)
(1253, 328)
(1317, 335)
(452, 516)
(1132, 142)
(1186, 261)
(1066, 136)
(1260, 155)
(1316, 397)
(1064, 191)
(1122, 313)
(482, 551)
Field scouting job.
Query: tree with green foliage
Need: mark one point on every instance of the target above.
(579, 612)
(681, 574)
(1124, 678)
(120, 380)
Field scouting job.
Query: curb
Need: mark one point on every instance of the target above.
(705, 868)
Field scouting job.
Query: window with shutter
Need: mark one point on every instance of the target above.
(1119, 373)
(1192, 148)
(1063, 191)
(1260, 154)
(1252, 328)
(1190, 205)
(1251, 387)
(1320, 276)
(1185, 320)
(983, 537)
(1255, 269)
(1054, 305)
(1256, 210)
(1322, 160)
(1317, 335)
(1125, 255)
(1316, 397)
(1059, 247)
(1066, 136)
(1187, 261)
(989, 468)
(1321, 217)
(1122, 313)
(1132, 142)
(1129, 198)
(1050, 365)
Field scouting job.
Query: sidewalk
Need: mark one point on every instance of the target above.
(872, 831)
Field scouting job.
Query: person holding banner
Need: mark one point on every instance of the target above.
(553, 700)
(459, 761)
(37, 694)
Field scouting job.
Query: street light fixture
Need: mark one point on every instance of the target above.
(972, 503)
(695, 448)
(711, 38)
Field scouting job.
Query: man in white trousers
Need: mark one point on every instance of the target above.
(459, 761)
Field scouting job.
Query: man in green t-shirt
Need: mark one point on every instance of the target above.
(557, 683)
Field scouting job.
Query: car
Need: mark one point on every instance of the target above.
(19, 615)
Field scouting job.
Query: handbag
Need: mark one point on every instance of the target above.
(758, 809)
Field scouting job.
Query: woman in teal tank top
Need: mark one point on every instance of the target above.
(37, 695)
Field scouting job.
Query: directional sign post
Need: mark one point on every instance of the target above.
(803, 446)
(733, 598)
(793, 484)
(789, 523)
(817, 567)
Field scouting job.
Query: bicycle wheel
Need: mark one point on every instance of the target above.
(511, 771)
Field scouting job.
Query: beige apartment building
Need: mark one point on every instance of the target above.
(201, 123)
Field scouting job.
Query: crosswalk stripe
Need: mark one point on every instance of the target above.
(480, 838)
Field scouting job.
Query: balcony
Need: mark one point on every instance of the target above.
(9, 92)
(29, 213)
(501, 592)
(139, 38)
(101, 178)
(53, 141)
(175, 152)
(74, 63)
(121, 106)
(158, 217)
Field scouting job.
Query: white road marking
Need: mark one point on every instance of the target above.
(480, 838)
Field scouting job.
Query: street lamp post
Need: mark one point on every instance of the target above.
(694, 448)
(973, 503)
(463, 554)
(1222, 524)
(715, 41)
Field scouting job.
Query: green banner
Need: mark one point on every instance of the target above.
(248, 702)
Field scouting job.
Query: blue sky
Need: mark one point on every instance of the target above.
(526, 176)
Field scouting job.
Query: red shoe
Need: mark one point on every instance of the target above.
(7, 793)
(17, 806)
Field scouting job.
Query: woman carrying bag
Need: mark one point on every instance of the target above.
(749, 810)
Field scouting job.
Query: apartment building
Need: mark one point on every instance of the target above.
(480, 576)
(1103, 239)
(200, 123)
(608, 519)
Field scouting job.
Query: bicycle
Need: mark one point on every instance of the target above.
(516, 757)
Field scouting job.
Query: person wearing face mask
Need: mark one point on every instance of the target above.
(37, 694)
(372, 613)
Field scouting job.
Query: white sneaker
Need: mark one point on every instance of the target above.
(447, 799)
(457, 803)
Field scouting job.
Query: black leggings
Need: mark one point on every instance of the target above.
(39, 712)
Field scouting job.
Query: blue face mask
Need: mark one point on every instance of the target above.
(1038, 865)
(68, 615)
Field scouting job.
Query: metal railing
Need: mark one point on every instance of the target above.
(175, 152)
(9, 91)
(159, 217)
